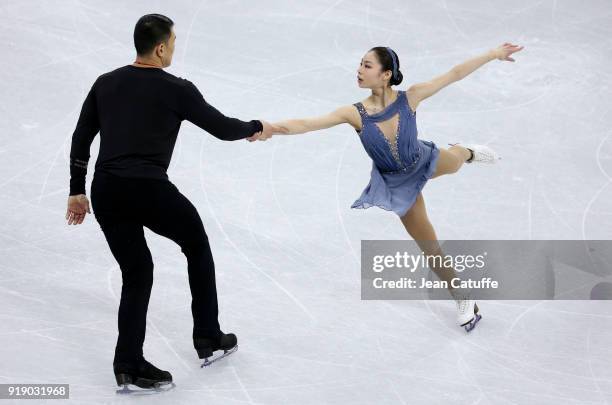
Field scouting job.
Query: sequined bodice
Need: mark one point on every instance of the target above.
(390, 154)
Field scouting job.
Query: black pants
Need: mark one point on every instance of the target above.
(122, 206)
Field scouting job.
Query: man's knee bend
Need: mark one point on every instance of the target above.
(138, 275)
(196, 248)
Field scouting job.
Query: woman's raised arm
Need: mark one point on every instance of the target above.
(420, 91)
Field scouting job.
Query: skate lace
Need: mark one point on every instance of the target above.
(462, 300)
(462, 305)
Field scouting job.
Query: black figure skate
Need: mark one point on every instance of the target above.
(143, 375)
(206, 346)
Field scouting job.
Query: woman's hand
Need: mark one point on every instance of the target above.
(268, 131)
(504, 51)
(78, 206)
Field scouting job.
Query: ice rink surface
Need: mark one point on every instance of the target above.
(285, 241)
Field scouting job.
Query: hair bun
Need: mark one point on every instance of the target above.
(398, 79)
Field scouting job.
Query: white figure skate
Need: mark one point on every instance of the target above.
(467, 310)
(482, 153)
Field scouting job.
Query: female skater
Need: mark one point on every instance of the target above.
(402, 163)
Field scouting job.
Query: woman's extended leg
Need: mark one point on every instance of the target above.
(451, 160)
(419, 227)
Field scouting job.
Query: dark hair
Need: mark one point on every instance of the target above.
(150, 30)
(386, 60)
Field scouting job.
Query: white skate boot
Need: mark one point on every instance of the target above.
(482, 153)
(467, 310)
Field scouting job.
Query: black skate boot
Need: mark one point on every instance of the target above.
(141, 374)
(205, 346)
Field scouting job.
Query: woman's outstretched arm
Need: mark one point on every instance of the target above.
(420, 91)
(339, 116)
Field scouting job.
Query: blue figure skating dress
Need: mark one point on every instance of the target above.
(401, 165)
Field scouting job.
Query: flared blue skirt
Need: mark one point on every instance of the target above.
(397, 191)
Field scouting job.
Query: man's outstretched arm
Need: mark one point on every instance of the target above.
(196, 110)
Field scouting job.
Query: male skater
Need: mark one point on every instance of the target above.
(138, 110)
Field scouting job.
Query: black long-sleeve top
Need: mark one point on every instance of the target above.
(138, 112)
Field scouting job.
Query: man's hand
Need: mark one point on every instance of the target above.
(504, 51)
(268, 131)
(78, 206)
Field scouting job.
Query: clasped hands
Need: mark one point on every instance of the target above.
(267, 132)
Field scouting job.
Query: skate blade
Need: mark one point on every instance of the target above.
(472, 324)
(226, 353)
(155, 389)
